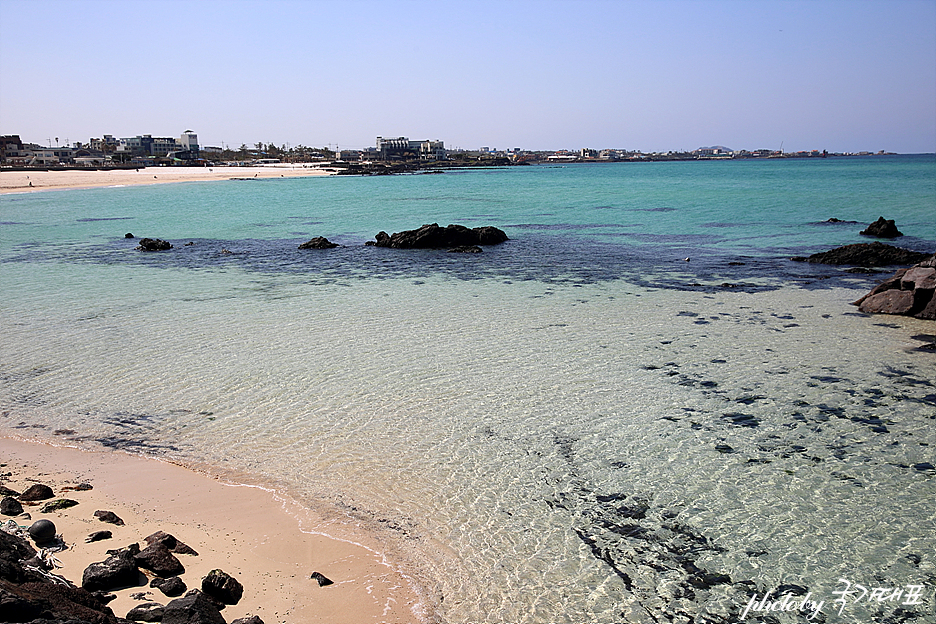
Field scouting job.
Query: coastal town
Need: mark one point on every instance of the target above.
(388, 155)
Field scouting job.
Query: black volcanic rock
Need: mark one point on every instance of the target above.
(146, 612)
(157, 559)
(882, 228)
(193, 608)
(9, 506)
(432, 236)
(222, 587)
(37, 492)
(108, 516)
(170, 542)
(173, 586)
(319, 242)
(153, 244)
(26, 595)
(867, 255)
(117, 571)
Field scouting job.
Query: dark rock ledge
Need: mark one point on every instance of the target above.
(865, 255)
(432, 236)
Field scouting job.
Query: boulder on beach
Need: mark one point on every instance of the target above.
(153, 244)
(432, 236)
(108, 516)
(146, 612)
(117, 571)
(193, 608)
(170, 542)
(882, 228)
(319, 242)
(37, 492)
(222, 587)
(909, 292)
(865, 254)
(172, 586)
(157, 559)
(9, 506)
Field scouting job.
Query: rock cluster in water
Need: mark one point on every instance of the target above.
(432, 236)
(909, 292)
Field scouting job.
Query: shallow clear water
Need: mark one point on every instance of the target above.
(575, 426)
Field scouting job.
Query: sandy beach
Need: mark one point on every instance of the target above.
(266, 542)
(27, 181)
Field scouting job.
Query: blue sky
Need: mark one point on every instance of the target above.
(646, 75)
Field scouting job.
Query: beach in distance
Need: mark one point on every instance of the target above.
(21, 181)
(637, 408)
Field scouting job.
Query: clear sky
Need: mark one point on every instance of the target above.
(655, 75)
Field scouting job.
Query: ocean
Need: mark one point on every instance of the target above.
(638, 409)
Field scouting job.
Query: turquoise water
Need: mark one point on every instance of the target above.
(575, 426)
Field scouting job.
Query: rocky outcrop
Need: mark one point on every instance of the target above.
(909, 292)
(153, 244)
(865, 254)
(432, 236)
(319, 242)
(882, 228)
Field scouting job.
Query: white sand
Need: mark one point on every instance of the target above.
(264, 541)
(20, 181)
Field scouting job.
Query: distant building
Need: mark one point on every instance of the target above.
(189, 141)
(11, 148)
(401, 148)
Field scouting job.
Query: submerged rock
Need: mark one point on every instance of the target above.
(882, 228)
(432, 236)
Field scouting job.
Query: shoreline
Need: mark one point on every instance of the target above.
(20, 181)
(266, 541)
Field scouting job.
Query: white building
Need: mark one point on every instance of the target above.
(189, 141)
